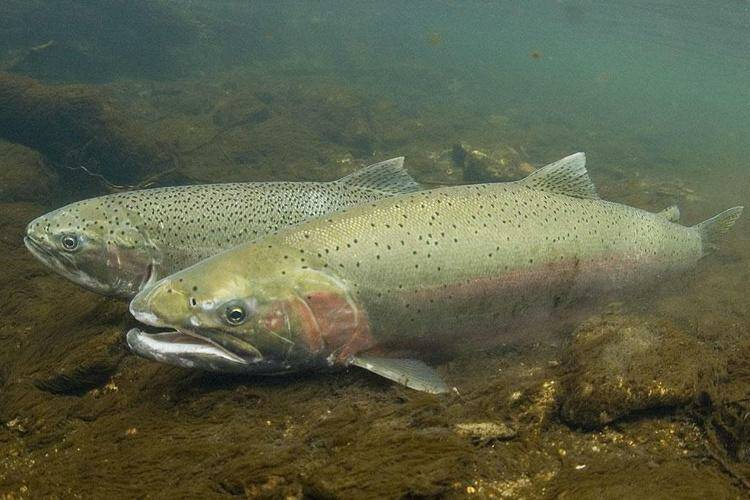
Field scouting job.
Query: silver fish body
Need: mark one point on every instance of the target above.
(421, 272)
(117, 244)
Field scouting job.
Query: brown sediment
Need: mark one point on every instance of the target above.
(80, 416)
(617, 366)
(77, 125)
(24, 174)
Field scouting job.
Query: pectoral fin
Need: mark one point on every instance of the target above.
(412, 373)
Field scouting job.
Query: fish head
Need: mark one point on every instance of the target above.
(257, 309)
(98, 245)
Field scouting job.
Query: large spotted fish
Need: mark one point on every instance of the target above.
(116, 244)
(413, 274)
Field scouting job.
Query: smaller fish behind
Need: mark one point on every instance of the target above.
(117, 244)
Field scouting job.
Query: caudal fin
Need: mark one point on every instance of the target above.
(713, 229)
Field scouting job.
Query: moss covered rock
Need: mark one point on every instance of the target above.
(616, 366)
(74, 125)
(24, 176)
(503, 163)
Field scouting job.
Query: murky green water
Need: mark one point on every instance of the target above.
(644, 396)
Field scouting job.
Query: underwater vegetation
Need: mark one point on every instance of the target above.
(76, 125)
(643, 397)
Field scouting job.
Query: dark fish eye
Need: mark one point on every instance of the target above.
(235, 315)
(69, 242)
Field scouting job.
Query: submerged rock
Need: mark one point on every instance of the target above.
(240, 109)
(87, 367)
(616, 366)
(24, 175)
(502, 164)
(74, 125)
(486, 432)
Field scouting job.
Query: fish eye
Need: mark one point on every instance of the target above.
(235, 315)
(69, 242)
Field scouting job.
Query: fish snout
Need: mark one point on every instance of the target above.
(38, 241)
(140, 308)
(160, 305)
(36, 232)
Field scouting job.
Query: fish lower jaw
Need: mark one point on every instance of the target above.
(185, 349)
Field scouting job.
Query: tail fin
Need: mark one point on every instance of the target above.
(713, 229)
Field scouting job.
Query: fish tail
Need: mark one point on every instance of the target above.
(713, 230)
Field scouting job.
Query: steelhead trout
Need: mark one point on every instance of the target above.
(413, 273)
(116, 244)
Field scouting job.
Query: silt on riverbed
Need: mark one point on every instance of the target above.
(647, 398)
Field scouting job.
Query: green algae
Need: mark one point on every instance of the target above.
(80, 416)
(618, 366)
(76, 125)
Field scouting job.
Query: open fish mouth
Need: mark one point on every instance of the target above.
(187, 350)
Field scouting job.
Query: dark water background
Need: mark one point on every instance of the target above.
(647, 399)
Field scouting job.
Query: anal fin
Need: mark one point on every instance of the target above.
(412, 373)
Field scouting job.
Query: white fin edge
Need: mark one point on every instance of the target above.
(568, 177)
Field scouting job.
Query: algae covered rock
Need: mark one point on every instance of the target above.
(244, 108)
(24, 176)
(73, 125)
(503, 163)
(616, 366)
(485, 432)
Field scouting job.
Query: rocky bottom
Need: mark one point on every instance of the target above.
(629, 405)
(649, 398)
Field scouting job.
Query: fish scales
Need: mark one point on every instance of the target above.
(126, 240)
(190, 223)
(481, 252)
(424, 272)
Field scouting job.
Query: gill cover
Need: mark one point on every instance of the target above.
(279, 310)
(278, 316)
(106, 250)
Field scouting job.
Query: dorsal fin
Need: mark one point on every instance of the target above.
(672, 213)
(567, 176)
(389, 176)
